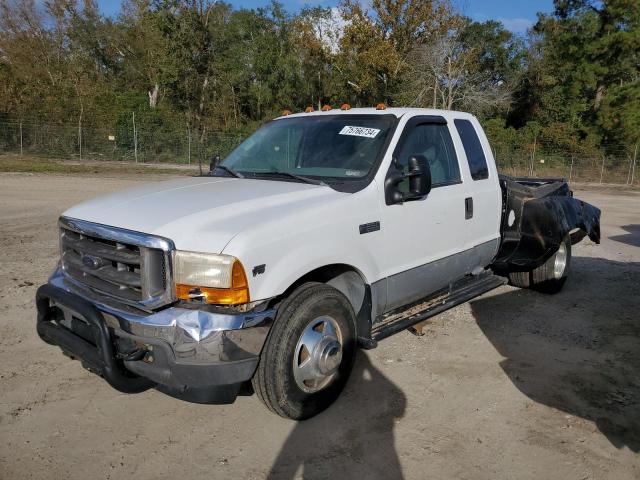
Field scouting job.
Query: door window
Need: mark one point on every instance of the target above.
(473, 149)
(433, 141)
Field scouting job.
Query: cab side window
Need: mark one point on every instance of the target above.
(473, 149)
(433, 141)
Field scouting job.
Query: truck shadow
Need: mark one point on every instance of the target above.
(578, 351)
(631, 238)
(354, 436)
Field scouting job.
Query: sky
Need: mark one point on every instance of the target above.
(516, 15)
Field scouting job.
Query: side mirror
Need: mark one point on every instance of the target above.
(215, 161)
(419, 176)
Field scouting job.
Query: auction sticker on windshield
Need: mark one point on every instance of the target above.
(359, 131)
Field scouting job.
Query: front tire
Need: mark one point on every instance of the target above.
(550, 276)
(309, 352)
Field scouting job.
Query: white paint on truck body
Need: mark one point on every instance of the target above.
(294, 228)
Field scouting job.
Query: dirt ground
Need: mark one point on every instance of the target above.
(514, 385)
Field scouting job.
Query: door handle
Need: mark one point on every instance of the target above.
(468, 208)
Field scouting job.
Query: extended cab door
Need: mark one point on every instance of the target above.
(425, 239)
(483, 194)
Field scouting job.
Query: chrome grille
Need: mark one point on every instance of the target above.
(129, 266)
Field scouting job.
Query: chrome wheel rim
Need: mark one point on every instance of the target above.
(318, 354)
(560, 262)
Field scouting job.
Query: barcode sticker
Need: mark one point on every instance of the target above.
(360, 131)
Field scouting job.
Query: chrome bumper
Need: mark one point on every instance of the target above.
(183, 348)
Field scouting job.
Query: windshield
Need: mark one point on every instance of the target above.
(336, 146)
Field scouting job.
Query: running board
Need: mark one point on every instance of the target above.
(460, 292)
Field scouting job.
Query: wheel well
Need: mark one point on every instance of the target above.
(347, 280)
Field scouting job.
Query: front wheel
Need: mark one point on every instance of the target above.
(551, 275)
(309, 353)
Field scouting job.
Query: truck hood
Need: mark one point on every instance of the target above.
(201, 213)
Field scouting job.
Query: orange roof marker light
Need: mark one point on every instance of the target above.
(345, 106)
(326, 108)
(286, 112)
(381, 106)
(309, 109)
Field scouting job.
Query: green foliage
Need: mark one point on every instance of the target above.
(204, 68)
(498, 52)
(41, 165)
(583, 71)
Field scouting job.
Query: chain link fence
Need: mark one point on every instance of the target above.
(149, 143)
(619, 168)
(126, 143)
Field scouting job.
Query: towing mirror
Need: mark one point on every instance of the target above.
(419, 177)
(215, 161)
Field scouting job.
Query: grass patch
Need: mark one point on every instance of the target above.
(43, 165)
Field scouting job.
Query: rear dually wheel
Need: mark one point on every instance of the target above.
(551, 275)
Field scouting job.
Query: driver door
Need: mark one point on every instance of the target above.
(425, 238)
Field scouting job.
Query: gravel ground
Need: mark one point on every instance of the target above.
(512, 385)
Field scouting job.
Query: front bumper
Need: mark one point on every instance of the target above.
(193, 354)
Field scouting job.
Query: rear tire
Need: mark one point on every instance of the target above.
(309, 352)
(550, 276)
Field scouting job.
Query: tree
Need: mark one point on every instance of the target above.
(454, 70)
(376, 43)
(203, 66)
(367, 62)
(315, 39)
(589, 62)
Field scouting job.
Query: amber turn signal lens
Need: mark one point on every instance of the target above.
(236, 295)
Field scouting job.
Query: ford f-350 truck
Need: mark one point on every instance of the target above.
(321, 233)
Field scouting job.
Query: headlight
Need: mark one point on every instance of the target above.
(212, 278)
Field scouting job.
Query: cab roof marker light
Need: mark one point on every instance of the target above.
(326, 108)
(345, 106)
(381, 106)
(286, 112)
(309, 109)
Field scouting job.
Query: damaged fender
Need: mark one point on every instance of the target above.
(537, 216)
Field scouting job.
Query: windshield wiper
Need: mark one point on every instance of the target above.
(230, 171)
(295, 176)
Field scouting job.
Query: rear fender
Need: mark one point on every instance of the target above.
(533, 229)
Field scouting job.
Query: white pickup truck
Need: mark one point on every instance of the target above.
(322, 232)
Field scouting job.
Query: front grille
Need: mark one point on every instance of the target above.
(125, 266)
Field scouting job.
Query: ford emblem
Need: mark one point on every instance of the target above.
(91, 262)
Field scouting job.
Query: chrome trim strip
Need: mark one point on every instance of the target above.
(61, 280)
(142, 240)
(117, 234)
